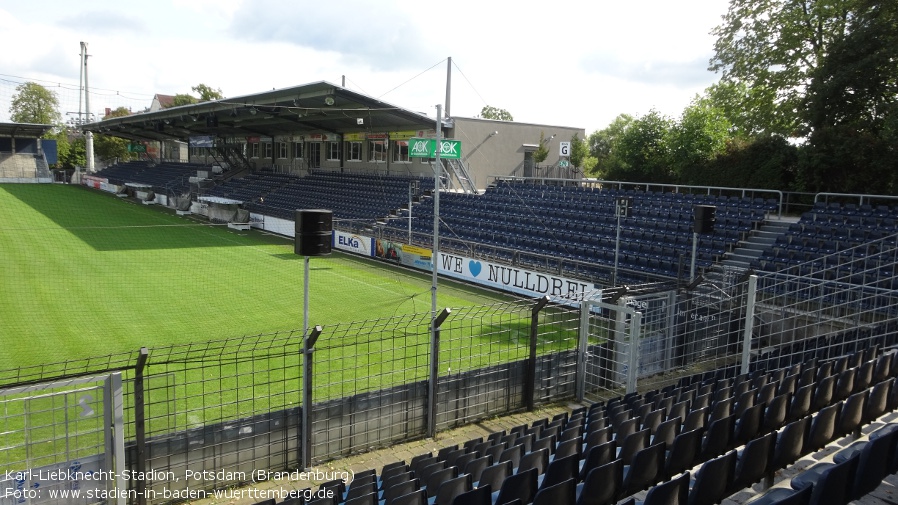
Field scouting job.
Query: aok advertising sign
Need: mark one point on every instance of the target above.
(426, 148)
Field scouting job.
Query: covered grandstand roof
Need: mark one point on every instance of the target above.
(28, 130)
(319, 107)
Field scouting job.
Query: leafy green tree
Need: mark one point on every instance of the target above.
(72, 153)
(642, 152)
(731, 98)
(769, 162)
(603, 143)
(772, 48)
(183, 99)
(580, 156)
(702, 133)
(490, 112)
(33, 103)
(851, 108)
(207, 93)
(108, 147)
(542, 152)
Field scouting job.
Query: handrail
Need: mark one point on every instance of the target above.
(646, 186)
(859, 196)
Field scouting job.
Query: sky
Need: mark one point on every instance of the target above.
(578, 64)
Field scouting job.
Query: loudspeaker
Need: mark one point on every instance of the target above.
(313, 229)
(704, 218)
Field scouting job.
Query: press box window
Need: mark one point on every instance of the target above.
(355, 151)
(333, 151)
(377, 151)
(400, 151)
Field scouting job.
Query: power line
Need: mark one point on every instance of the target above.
(72, 86)
(413, 78)
(469, 82)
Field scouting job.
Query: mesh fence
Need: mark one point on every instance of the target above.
(829, 306)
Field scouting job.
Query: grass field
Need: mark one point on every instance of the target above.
(84, 274)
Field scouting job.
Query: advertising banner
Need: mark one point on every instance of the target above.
(484, 273)
(358, 244)
(509, 278)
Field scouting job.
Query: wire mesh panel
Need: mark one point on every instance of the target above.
(655, 356)
(217, 412)
(556, 366)
(56, 443)
(607, 367)
(707, 329)
(369, 385)
(490, 356)
(833, 305)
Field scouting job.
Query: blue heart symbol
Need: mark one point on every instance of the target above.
(474, 267)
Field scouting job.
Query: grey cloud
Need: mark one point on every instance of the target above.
(679, 74)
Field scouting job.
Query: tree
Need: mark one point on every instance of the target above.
(732, 98)
(206, 93)
(490, 112)
(33, 103)
(767, 162)
(851, 108)
(642, 153)
(602, 144)
(183, 99)
(542, 152)
(772, 48)
(702, 133)
(108, 147)
(72, 153)
(580, 156)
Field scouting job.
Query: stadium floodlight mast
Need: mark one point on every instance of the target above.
(88, 136)
(434, 257)
(434, 261)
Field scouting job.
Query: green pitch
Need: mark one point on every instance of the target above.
(86, 274)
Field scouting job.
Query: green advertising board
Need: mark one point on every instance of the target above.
(426, 148)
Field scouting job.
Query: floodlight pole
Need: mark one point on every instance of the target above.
(434, 257)
(306, 454)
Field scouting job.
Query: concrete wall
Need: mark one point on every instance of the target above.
(497, 147)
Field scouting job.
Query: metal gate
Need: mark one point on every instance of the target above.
(63, 443)
(609, 365)
(606, 363)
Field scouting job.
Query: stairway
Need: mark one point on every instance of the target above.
(757, 242)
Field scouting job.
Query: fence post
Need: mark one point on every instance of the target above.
(581, 349)
(434, 372)
(669, 330)
(749, 322)
(140, 431)
(306, 423)
(530, 377)
(633, 355)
